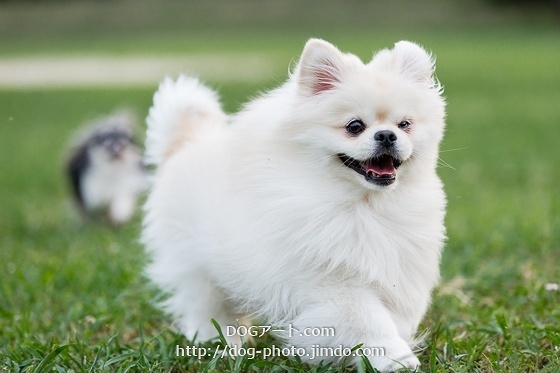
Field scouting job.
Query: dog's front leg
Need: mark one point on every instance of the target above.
(344, 318)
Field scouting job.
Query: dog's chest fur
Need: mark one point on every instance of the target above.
(390, 244)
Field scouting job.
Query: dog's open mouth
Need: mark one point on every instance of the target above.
(380, 170)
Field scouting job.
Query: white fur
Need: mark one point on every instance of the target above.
(173, 102)
(260, 217)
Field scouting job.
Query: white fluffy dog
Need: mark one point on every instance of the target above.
(317, 205)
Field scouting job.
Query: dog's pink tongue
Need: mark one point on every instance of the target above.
(382, 166)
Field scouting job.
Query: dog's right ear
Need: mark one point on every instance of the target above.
(319, 67)
(413, 61)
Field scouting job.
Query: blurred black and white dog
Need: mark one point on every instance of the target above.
(105, 168)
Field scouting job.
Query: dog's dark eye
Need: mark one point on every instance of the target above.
(355, 127)
(405, 124)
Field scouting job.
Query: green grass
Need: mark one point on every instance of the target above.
(72, 295)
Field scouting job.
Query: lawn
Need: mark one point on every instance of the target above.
(72, 295)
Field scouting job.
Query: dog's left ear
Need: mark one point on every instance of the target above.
(319, 67)
(413, 61)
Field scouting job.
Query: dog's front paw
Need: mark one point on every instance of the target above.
(398, 355)
(389, 365)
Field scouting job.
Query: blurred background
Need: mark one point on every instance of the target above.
(64, 63)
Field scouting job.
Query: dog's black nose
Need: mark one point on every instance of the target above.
(385, 138)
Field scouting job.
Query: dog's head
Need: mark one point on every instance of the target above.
(375, 123)
(111, 145)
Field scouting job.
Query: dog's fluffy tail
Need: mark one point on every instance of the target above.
(179, 110)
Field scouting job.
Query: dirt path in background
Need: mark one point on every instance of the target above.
(110, 71)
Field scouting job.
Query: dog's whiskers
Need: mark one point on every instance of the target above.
(453, 150)
(443, 163)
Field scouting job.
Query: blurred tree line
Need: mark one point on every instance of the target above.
(551, 4)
